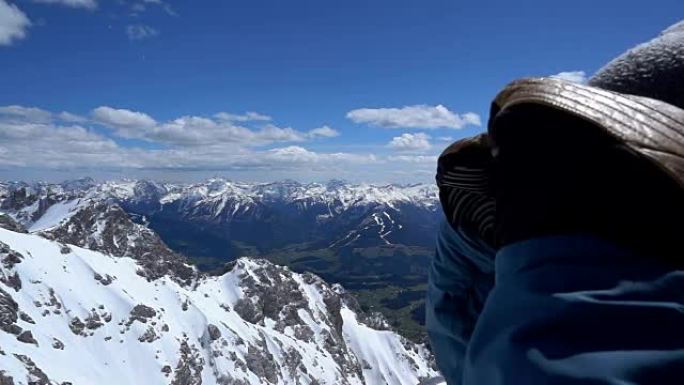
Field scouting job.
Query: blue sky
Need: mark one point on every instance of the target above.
(262, 90)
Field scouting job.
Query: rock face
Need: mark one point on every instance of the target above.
(257, 323)
(27, 337)
(105, 227)
(8, 223)
(8, 313)
(5, 379)
(214, 332)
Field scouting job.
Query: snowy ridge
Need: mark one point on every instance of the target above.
(74, 315)
(75, 216)
(220, 195)
(221, 190)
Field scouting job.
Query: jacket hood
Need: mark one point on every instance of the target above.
(653, 69)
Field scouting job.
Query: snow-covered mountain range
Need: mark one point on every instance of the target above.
(89, 296)
(376, 240)
(234, 197)
(269, 215)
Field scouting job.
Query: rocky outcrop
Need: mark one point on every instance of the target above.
(11, 280)
(27, 337)
(149, 336)
(189, 368)
(5, 379)
(105, 227)
(141, 313)
(9, 257)
(8, 313)
(261, 363)
(77, 326)
(17, 197)
(8, 223)
(35, 375)
(214, 332)
(57, 344)
(270, 293)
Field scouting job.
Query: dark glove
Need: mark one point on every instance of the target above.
(463, 178)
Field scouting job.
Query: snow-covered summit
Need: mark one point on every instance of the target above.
(72, 315)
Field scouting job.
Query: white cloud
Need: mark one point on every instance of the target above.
(323, 132)
(140, 32)
(272, 133)
(572, 76)
(16, 113)
(417, 159)
(71, 118)
(47, 145)
(88, 4)
(471, 118)
(297, 154)
(188, 131)
(37, 115)
(201, 131)
(13, 23)
(410, 142)
(418, 116)
(127, 123)
(21, 113)
(446, 138)
(246, 117)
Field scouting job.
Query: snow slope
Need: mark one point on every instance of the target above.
(73, 315)
(55, 215)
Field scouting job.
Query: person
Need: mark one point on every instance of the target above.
(560, 260)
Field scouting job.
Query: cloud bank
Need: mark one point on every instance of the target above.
(417, 116)
(129, 142)
(33, 137)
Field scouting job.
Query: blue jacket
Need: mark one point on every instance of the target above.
(563, 310)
